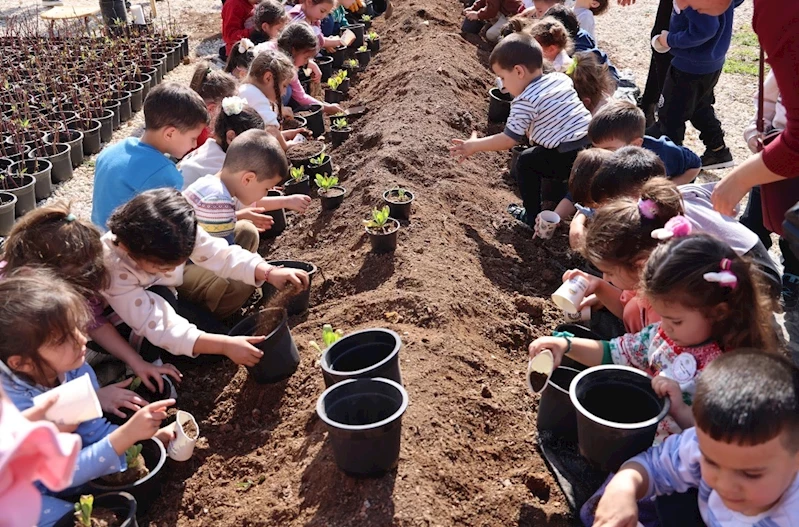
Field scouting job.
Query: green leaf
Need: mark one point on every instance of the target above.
(134, 384)
(83, 510)
(245, 485)
(297, 173)
(340, 124)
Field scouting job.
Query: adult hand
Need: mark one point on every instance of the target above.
(728, 193)
(116, 396)
(146, 371)
(241, 350)
(256, 215)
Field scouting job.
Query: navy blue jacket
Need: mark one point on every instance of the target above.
(698, 42)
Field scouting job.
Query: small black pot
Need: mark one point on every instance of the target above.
(106, 119)
(363, 354)
(400, 211)
(315, 120)
(146, 84)
(299, 304)
(325, 168)
(333, 96)
(498, 105)
(300, 123)
(556, 412)
(325, 66)
(280, 359)
(74, 138)
(332, 202)
(339, 136)
(61, 169)
(339, 56)
(41, 170)
(122, 504)
(472, 26)
(113, 105)
(358, 30)
(279, 218)
(123, 98)
(26, 198)
(384, 243)
(7, 214)
(344, 87)
(363, 58)
(374, 45)
(17, 154)
(303, 186)
(136, 90)
(147, 489)
(91, 135)
(364, 423)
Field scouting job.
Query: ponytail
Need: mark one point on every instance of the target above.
(241, 56)
(281, 68)
(212, 85)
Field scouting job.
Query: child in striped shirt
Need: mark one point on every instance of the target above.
(546, 111)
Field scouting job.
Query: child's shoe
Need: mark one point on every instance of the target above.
(519, 213)
(715, 159)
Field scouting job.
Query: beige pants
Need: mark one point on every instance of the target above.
(493, 32)
(221, 296)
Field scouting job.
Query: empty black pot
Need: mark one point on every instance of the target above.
(122, 504)
(91, 135)
(617, 413)
(498, 105)
(333, 96)
(279, 218)
(301, 301)
(472, 26)
(400, 211)
(315, 120)
(302, 186)
(363, 354)
(384, 242)
(364, 423)
(555, 410)
(42, 172)
(325, 66)
(146, 489)
(333, 198)
(280, 359)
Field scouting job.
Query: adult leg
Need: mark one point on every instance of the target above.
(659, 62)
(493, 33)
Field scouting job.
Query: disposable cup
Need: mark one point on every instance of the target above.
(182, 446)
(541, 364)
(570, 295)
(77, 402)
(347, 37)
(138, 15)
(583, 316)
(546, 223)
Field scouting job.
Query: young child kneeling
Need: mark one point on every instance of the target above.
(742, 455)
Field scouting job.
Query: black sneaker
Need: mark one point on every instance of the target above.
(518, 212)
(790, 291)
(715, 159)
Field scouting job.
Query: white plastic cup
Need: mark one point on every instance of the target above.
(546, 223)
(347, 38)
(77, 402)
(543, 363)
(182, 446)
(138, 15)
(583, 316)
(570, 295)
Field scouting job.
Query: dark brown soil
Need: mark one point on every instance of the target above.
(332, 193)
(290, 124)
(464, 290)
(102, 518)
(190, 429)
(388, 228)
(537, 380)
(129, 476)
(393, 197)
(305, 150)
(269, 318)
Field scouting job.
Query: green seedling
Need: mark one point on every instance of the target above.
(333, 83)
(372, 35)
(351, 64)
(379, 219)
(297, 173)
(341, 75)
(132, 456)
(320, 160)
(325, 182)
(362, 48)
(134, 384)
(329, 337)
(340, 124)
(402, 194)
(366, 18)
(83, 510)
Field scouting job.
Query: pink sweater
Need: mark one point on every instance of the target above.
(297, 91)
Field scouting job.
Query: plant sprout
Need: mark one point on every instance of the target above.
(320, 160)
(372, 35)
(134, 384)
(329, 337)
(341, 75)
(351, 64)
(363, 48)
(132, 456)
(83, 510)
(366, 18)
(401, 194)
(379, 219)
(340, 124)
(325, 182)
(297, 173)
(333, 83)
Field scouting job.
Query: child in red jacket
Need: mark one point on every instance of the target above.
(234, 14)
(501, 10)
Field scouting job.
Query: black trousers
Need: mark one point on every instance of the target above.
(543, 175)
(689, 97)
(659, 62)
(679, 510)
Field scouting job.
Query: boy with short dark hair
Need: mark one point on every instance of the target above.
(546, 110)
(174, 117)
(621, 123)
(742, 456)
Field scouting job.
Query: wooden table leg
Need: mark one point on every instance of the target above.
(153, 14)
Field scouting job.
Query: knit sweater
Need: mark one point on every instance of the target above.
(698, 42)
(234, 14)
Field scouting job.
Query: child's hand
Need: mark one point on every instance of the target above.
(618, 506)
(288, 135)
(679, 411)
(529, 13)
(463, 148)
(256, 215)
(316, 73)
(471, 15)
(298, 202)
(116, 396)
(332, 109)
(331, 43)
(556, 345)
(146, 371)
(146, 422)
(166, 434)
(287, 112)
(280, 276)
(241, 350)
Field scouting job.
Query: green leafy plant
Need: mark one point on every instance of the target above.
(134, 384)
(401, 193)
(333, 83)
(319, 160)
(297, 173)
(325, 182)
(351, 64)
(366, 18)
(132, 456)
(379, 219)
(341, 75)
(363, 48)
(372, 35)
(340, 124)
(329, 337)
(83, 510)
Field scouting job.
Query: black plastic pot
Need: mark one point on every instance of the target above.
(113, 105)
(280, 359)
(24, 191)
(279, 218)
(498, 105)
(338, 136)
(515, 152)
(617, 413)
(344, 87)
(91, 135)
(147, 489)
(106, 119)
(122, 504)
(146, 84)
(41, 170)
(8, 202)
(145, 393)
(363, 354)
(325, 66)
(14, 153)
(74, 138)
(303, 186)
(59, 155)
(299, 304)
(334, 201)
(556, 412)
(299, 122)
(136, 90)
(315, 120)
(472, 26)
(333, 96)
(374, 45)
(363, 58)
(124, 105)
(400, 211)
(338, 56)
(364, 423)
(325, 168)
(384, 243)
(358, 30)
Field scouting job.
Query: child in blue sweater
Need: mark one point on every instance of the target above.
(698, 44)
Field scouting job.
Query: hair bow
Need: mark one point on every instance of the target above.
(648, 208)
(677, 227)
(245, 45)
(725, 277)
(233, 105)
(572, 67)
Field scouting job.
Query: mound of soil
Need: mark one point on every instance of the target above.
(102, 518)
(453, 291)
(305, 150)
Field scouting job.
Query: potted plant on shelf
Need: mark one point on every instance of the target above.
(382, 230)
(299, 182)
(329, 192)
(363, 55)
(340, 131)
(399, 202)
(373, 41)
(7, 215)
(22, 187)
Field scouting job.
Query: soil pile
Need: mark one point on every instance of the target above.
(464, 290)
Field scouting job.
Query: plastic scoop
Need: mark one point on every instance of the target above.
(539, 370)
(347, 37)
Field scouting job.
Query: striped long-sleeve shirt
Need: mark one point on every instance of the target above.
(214, 206)
(549, 112)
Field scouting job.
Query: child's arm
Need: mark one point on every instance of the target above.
(679, 411)
(565, 208)
(331, 43)
(577, 232)
(585, 351)
(275, 131)
(488, 10)
(686, 177)
(297, 202)
(463, 148)
(618, 506)
(701, 28)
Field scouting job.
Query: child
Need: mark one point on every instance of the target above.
(540, 7)
(555, 42)
(150, 240)
(709, 300)
(698, 44)
(586, 10)
(269, 19)
(270, 74)
(213, 86)
(174, 117)
(585, 166)
(44, 347)
(254, 163)
(499, 10)
(240, 58)
(742, 455)
(313, 12)
(621, 123)
(235, 14)
(592, 80)
(546, 109)
(52, 237)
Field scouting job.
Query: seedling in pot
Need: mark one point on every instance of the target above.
(133, 456)
(325, 182)
(366, 18)
(363, 48)
(379, 220)
(334, 82)
(83, 510)
(340, 124)
(329, 337)
(320, 160)
(401, 194)
(372, 35)
(351, 64)
(136, 468)
(297, 174)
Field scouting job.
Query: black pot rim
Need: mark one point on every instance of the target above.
(324, 60)
(396, 225)
(286, 261)
(153, 472)
(292, 181)
(5, 194)
(604, 422)
(323, 194)
(283, 321)
(551, 384)
(496, 94)
(346, 130)
(389, 191)
(56, 145)
(355, 373)
(320, 404)
(31, 160)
